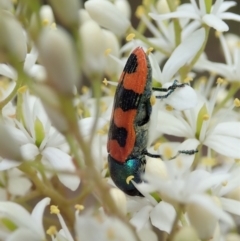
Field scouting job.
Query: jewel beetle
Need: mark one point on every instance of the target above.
(128, 130)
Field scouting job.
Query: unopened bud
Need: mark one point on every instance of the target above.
(66, 11)
(108, 16)
(120, 199)
(12, 41)
(186, 234)
(9, 148)
(58, 56)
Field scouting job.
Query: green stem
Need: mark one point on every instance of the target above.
(149, 43)
(12, 94)
(48, 192)
(177, 27)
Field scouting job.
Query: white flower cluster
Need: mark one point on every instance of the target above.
(55, 113)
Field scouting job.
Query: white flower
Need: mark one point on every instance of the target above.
(200, 123)
(214, 18)
(29, 226)
(35, 136)
(181, 98)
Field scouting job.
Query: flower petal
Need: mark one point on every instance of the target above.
(37, 213)
(230, 16)
(225, 145)
(19, 185)
(184, 53)
(61, 161)
(162, 216)
(141, 217)
(171, 125)
(178, 14)
(231, 206)
(215, 22)
(231, 129)
(182, 98)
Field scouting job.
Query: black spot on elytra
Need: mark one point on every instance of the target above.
(127, 99)
(119, 134)
(131, 65)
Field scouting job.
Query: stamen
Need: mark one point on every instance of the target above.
(140, 11)
(236, 102)
(150, 49)
(22, 89)
(187, 79)
(54, 209)
(206, 117)
(153, 100)
(52, 230)
(156, 146)
(130, 37)
(79, 207)
(169, 108)
(107, 52)
(129, 178)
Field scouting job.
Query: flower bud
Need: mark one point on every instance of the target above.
(93, 51)
(83, 16)
(162, 6)
(186, 234)
(66, 11)
(156, 167)
(124, 7)
(46, 15)
(108, 16)
(6, 5)
(58, 56)
(202, 220)
(120, 199)
(12, 41)
(9, 148)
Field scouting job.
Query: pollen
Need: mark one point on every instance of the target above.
(187, 79)
(45, 22)
(105, 81)
(130, 37)
(238, 44)
(107, 52)
(220, 81)
(153, 100)
(53, 26)
(54, 209)
(85, 89)
(129, 178)
(169, 108)
(111, 234)
(156, 146)
(22, 89)
(150, 49)
(146, 2)
(79, 207)
(168, 152)
(237, 102)
(140, 11)
(208, 161)
(52, 230)
(225, 183)
(203, 80)
(217, 34)
(205, 117)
